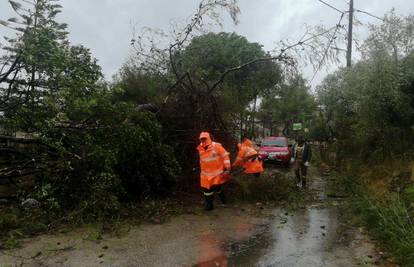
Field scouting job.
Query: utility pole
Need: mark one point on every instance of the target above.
(253, 115)
(349, 48)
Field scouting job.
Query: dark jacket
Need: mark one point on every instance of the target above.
(307, 152)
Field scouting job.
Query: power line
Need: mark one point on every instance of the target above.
(350, 24)
(338, 25)
(356, 10)
(323, 2)
(369, 14)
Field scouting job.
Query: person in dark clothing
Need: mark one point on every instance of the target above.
(301, 156)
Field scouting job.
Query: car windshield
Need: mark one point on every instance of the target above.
(274, 142)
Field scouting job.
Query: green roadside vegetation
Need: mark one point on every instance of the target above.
(370, 111)
(387, 215)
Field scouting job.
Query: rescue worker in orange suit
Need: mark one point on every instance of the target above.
(248, 158)
(301, 157)
(214, 169)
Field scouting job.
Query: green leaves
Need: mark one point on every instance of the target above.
(211, 54)
(370, 107)
(93, 151)
(208, 56)
(290, 102)
(15, 5)
(4, 23)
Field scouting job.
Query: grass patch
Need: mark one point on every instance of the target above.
(388, 221)
(95, 234)
(13, 240)
(388, 218)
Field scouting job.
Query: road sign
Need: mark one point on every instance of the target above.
(297, 126)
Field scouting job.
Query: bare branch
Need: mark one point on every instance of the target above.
(3, 76)
(280, 57)
(338, 25)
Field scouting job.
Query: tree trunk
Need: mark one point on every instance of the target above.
(253, 118)
(263, 128)
(241, 126)
(271, 128)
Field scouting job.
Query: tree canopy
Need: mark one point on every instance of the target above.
(370, 106)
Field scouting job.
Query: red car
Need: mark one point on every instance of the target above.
(275, 149)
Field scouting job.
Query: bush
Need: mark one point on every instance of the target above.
(388, 221)
(90, 152)
(369, 108)
(96, 167)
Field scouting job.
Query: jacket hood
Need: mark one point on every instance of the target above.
(248, 143)
(208, 141)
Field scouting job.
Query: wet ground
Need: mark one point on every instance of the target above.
(232, 235)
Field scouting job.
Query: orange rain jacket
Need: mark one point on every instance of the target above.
(214, 159)
(248, 158)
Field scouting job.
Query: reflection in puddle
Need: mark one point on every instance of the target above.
(217, 262)
(299, 239)
(210, 252)
(213, 252)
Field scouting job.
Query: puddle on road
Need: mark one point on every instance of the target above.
(302, 238)
(302, 241)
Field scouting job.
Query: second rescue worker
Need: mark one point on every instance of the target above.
(214, 169)
(248, 159)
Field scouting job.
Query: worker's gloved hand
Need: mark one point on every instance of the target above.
(307, 163)
(292, 160)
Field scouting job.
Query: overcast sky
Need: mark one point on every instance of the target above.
(105, 26)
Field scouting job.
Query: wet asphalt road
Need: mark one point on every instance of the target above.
(233, 235)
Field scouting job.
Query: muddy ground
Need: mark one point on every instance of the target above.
(235, 234)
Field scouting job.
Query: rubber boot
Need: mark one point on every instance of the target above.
(222, 197)
(298, 179)
(303, 181)
(208, 202)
